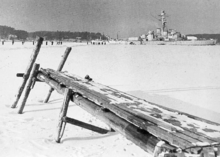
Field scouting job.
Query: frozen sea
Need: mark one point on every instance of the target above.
(185, 78)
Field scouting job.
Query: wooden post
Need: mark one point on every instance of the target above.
(28, 70)
(28, 88)
(62, 62)
(60, 67)
(48, 95)
(63, 113)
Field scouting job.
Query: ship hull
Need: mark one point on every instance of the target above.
(185, 42)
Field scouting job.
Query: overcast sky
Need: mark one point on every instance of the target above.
(125, 17)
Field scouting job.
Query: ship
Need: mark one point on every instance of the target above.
(165, 36)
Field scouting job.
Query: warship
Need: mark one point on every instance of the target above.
(165, 36)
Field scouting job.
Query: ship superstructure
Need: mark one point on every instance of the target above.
(165, 36)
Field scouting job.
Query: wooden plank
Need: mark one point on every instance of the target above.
(104, 96)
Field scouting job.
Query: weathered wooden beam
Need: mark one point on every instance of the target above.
(173, 138)
(139, 112)
(30, 83)
(60, 67)
(137, 135)
(63, 113)
(52, 83)
(85, 125)
(103, 99)
(28, 70)
(144, 124)
(140, 137)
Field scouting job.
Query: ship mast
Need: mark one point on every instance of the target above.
(163, 19)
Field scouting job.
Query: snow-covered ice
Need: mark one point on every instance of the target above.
(180, 77)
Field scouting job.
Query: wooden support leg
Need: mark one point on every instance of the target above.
(31, 82)
(63, 113)
(28, 70)
(48, 95)
(218, 151)
(60, 67)
(64, 57)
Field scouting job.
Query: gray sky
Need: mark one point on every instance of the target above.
(125, 17)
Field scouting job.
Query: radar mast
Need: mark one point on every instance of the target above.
(163, 20)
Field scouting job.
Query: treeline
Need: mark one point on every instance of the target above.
(207, 36)
(65, 35)
(11, 33)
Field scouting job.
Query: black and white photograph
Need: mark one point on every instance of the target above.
(109, 78)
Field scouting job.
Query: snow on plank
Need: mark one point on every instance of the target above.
(177, 128)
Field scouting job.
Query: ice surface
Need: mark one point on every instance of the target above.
(180, 77)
